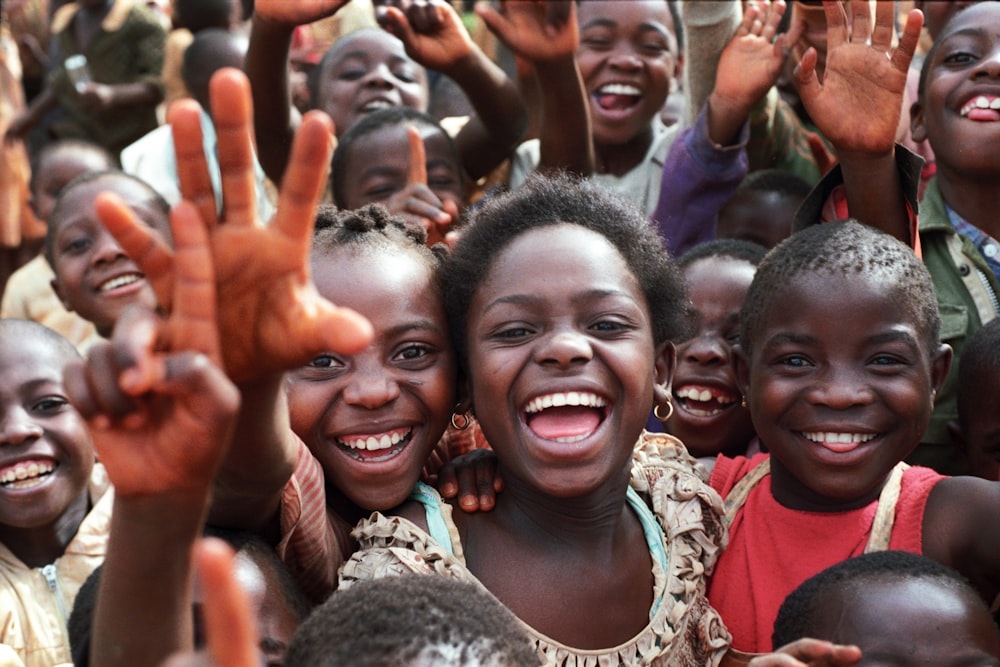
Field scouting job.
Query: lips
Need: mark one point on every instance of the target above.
(982, 108)
(565, 417)
(27, 473)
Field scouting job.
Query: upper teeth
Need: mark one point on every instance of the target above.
(120, 281)
(619, 89)
(540, 403)
(376, 442)
(703, 395)
(25, 470)
(980, 102)
(374, 105)
(844, 438)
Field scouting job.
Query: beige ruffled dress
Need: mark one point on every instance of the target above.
(684, 532)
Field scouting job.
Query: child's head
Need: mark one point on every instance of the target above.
(372, 418)
(937, 13)
(372, 158)
(957, 95)
(211, 50)
(363, 72)
(709, 417)
(47, 454)
(628, 56)
(898, 608)
(562, 304)
(978, 417)
(93, 276)
(840, 360)
(59, 163)
(412, 621)
(763, 208)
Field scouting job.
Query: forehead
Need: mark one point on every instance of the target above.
(720, 270)
(26, 356)
(77, 203)
(980, 19)
(632, 14)
(368, 45)
(389, 145)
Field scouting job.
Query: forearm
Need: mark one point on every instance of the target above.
(565, 134)
(134, 94)
(874, 193)
(45, 101)
(143, 611)
(266, 66)
(708, 27)
(500, 120)
(259, 463)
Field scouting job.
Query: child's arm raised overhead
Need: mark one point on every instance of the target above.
(161, 412)
(547, 35)
(858, 104)
(275, 119)
(271, 318)
(434, 36)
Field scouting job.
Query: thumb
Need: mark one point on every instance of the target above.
(337, 329)
(417, 170)
(806, 80)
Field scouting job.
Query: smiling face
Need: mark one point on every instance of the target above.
(371, 419)
(562, 360)
(910, 623)
(94, 276)
(841, 383)
(708, 417)
(46, 455)
(369, 70)
(377, 167)
(959, 110)
(627, 57)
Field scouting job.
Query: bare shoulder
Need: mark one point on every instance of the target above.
(960, 513)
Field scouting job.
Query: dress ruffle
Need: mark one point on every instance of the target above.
(684, 631)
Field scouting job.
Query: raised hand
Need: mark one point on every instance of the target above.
(159, 406)
(271, 318)
(416, 202)
(536, 30)
(431, 31)
(809, 653)
(858, 104)
(297, 12)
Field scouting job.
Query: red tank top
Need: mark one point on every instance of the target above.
(772, 549)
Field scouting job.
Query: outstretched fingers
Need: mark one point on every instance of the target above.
(184, 117)
(903, 54)
(232, 115)
(193, 323)
(229, 628)
(417, 169)
(305, 179)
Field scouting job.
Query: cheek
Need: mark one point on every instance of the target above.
(306, 405)
(414, 96)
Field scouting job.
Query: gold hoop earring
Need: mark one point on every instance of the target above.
(743, 402)
(670, 411)
(466, 421)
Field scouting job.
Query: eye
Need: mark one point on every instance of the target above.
(325, 361)
(611, 326)
(77, 245)
(795, 361)
(887, 360)
(50, 404)
(413, 352)
(512, 333)
(733, 338)
(351, 74)
(407, 74)
(959, 58)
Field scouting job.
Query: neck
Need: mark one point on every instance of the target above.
(39, 546)
(619, 159)
(975, 197)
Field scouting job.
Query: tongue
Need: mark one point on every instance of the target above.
(616, 102)
(984, 114)
(565, 422)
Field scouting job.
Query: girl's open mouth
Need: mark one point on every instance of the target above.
(565, 416)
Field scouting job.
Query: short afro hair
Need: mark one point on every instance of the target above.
(778, 181)
(980, 359)
(846, 248)
(400, 620)
(372, 227)
(371, 124)
(747, 251)
(799, 614)
(546, 200)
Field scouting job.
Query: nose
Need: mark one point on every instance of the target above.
(840, 389)
(370, 387)
(379, 76)
(564, 348)
(106, 249)
(989, 66)
(17, 427)
(705, 350)
(625, 58)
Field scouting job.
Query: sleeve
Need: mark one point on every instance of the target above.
(698, 179)
(827, 201)
(708, 27)
(309, 545)
(148, 40)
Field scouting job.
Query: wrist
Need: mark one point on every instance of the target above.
(725, 118)
(468, 67)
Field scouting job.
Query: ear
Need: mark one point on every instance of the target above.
(940, 365)
(666, 361)
(54, 283)
(742, 365)
(463, 396)
(917, 129)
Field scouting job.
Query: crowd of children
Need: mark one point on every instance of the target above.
(416, 390)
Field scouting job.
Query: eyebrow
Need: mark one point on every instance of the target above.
(418, 325)
(645, 26)
(530, 299)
